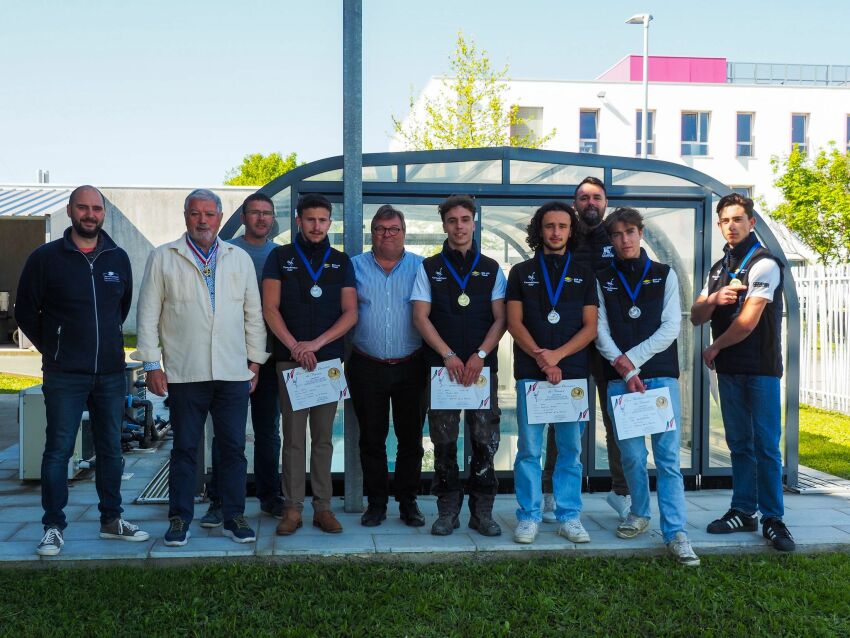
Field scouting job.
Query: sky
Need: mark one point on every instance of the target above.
(176, 92)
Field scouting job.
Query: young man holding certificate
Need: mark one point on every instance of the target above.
(639, 320)
(309, 303)
(459, 308)
(552, 308)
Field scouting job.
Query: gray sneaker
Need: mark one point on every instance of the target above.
(120, 529)
(51, 543)
(213, 517)
(681, 548)
(574, 531)
(634, 525)
(525, 532)
(549, 508)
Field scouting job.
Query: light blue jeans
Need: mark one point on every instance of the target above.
(665, 449)
(528, 472)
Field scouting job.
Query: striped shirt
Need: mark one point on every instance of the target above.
(385, 313)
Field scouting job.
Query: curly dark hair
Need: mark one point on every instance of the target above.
(534, 230)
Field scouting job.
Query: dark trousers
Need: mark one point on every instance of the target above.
(615, 465)
(265, 418)
(374, 387)
(66, 395)
(227, 403)
(483, 431)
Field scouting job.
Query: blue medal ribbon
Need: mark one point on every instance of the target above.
(461, 282)
(633, 294)
(314, 274)
(734, 275)
(204, 257)
(553, 297)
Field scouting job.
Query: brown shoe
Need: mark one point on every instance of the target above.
(326, 521)
(290, 522)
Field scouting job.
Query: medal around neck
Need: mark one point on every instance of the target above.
(554, 295)
(733, 274)
(736, 282)
(463, 300)
(316, 291)
(634, 312)
(553, 317)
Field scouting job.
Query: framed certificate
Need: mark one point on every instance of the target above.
(639, 414)
(449, 395)
(562, 403)
(325, 384)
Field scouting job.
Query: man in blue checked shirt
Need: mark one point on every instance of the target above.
(386, 368)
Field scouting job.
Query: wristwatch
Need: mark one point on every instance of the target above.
(482, 354)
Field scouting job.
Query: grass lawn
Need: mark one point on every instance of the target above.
(12, 383)
(770, 595)
(825, 441)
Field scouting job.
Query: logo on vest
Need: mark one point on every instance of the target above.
(438, 275)
(289, 266)
(111, 277)
(609, 286)
(475, 273)
(531, 280)
(334, 266)
(607, 252)
(573, 280)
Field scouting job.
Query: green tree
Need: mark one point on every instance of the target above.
(816, 204)
(257, 169)
(470, 110)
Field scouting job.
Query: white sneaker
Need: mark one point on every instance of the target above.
(574, 531)
(620, 504)
(549, 508)
(634, 525)
(681, 548)
(525, 532)
(51, 543)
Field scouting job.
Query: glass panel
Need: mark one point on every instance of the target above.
(847, 134)
(650, 126)
(620, 177)
(369, 173)
(588, 132)
(799, 124)
(689, 127)
(669, 238)
(281, 233)
(745, 135)
(328, 176)
(695, 133)
(540, 173)
(483, 172)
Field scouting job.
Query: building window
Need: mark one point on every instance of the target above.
(531, 123)
(650, 132)
(800, 132)
(744, 147)
(588, 126)
(695, 133)
(847, 133)
(746, 191)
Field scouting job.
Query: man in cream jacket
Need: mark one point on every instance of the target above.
(199, 312)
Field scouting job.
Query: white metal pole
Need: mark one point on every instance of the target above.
(645, 114)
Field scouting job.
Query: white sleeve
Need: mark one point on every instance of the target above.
(421, 286)
(763, 279)
(499, 287)
(604, 342)
(671, 323)
(704, 291)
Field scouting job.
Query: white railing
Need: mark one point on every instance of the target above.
(824, 293)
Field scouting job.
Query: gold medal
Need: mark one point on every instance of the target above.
(661, 402)
(463, 300)
(736, 282)
(577, 393)
(207, 271)
(481, 380)
(333, 373)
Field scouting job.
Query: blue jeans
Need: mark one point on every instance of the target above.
(66, 395)
(665, 450)
(265, 418)
(528, 472)
(227, 403)
(750, 405)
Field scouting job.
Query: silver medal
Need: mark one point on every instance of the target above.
(316, 291)
(634, 312)
(553, 317)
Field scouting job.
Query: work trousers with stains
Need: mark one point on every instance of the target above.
(483, 432)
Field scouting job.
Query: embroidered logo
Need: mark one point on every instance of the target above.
(609, 286)
(531, 280)
(760, 284)
(290, 265)
(111, 277)
(574, 280)
(608, 252)
(438, 275)
(334, 266)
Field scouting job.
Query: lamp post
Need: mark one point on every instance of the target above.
(644, 18)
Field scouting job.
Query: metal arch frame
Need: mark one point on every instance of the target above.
(701, 193)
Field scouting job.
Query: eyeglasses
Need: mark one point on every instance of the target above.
(392, 231)
(260, 213)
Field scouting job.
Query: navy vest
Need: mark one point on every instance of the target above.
(462, 328)
(536, 306)
(307, 317)
(628, 332)
(761, 352)
(594, 249)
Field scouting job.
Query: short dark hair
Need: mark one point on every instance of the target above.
(388, 212)
(80, 189)
(534, 230)
(736, 199)
(595, 181)
(453, 201)
(623, 215)
(313, 200)
(257, 197)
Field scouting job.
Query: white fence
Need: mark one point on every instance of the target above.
(824, 335)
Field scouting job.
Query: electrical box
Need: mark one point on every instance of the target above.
(32, 421)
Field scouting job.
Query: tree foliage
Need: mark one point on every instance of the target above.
(816, 204)
(257, 169)
(470, 110)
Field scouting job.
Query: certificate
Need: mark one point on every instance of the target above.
(449, 395)
(639, 414)
(325, 384)
(565, 402)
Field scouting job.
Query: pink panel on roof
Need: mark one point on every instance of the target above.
(669, 69)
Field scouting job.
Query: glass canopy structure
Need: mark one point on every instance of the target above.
(508, 184)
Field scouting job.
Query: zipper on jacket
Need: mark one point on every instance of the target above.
(58, 339)
(94, 299)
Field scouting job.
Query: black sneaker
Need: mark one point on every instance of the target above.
(238, 529)
(733, 521)
(374, 515)
(178, 532)
(273, 508)
(774, 530)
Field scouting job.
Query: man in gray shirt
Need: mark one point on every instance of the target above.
(258, 217)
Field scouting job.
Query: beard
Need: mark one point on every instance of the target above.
(83, 231)
(591, 216)
(205, 237)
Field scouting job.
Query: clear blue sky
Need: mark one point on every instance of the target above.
(175, 92)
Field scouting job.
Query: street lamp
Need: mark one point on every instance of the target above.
(644, 18)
